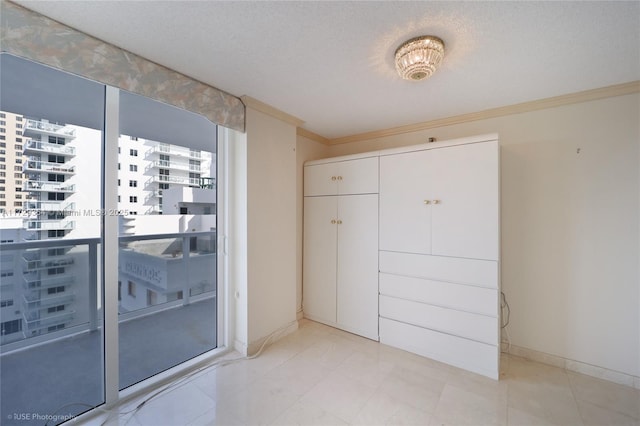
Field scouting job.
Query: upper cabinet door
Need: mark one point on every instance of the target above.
(465, 204)
(321, 179)
(405, 202)
(342, 178)
(358, 176)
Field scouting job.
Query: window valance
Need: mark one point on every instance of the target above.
(33, 36)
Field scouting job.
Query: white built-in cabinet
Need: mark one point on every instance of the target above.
(441, 201)
(424, 218)
(340, 267)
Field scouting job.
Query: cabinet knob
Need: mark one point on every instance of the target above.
(339, 177)
(436, 201)
(333, 178)
(427, 201)
(339, 222)
(333, 221)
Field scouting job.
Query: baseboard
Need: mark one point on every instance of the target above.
(255, 346)
(576, 366)
(240, 347)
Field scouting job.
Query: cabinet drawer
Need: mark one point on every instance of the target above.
(467, 298)
(464, 324)
(474, 356)
(348, 177)
(483, 273)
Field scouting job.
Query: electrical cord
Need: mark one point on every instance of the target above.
(504, 306)
(215, 364)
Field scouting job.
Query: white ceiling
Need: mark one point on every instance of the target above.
(331, 63)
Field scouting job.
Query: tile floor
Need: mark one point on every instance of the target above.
(323, 376)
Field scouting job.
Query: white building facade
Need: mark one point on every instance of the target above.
(54, 288)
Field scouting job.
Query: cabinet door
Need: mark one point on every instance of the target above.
(321, 179)
(405, 218)
(358, 176)
(466, 184)
(357, 277)
(319, 266)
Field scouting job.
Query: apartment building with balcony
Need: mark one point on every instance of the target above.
(39, 285)
(46, 287)
(49, 174)
(11, 160)
(148, 168)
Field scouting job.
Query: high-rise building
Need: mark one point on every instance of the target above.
(53, 188)
(11, 160)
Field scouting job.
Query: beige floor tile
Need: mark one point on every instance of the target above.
(602, 393)
(328, 352)
(320, 375)
(260, 403)
(307, 414)
(548, 400)
(409, 416)
(420, 392)
(179, 406)
(297, 375)
(341, 396)
(460, 407)
(516, 417)
(367, 367)
(592, 415)
(217, 417)
(378, 409)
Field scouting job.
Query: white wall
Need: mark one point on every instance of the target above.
(570, 226)
(306, 149)
(237, 239)
(271, 224)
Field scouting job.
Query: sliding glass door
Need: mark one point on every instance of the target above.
(167, 237)
(70, 250)
(51, 142)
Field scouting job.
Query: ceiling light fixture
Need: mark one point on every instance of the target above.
(418, 58)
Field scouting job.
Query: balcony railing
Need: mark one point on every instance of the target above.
(52, 148)
(34, 282)
(45, 166)
(75, 335)
(34, 265)
(34, 322)
(45, 127)
(47, 186)
(175, 165)
(33, 300)
(181, 180)
(177, 150)
(49, 205)
(49, 224)
(186, 262)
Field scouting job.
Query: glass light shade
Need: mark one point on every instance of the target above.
(418, 58)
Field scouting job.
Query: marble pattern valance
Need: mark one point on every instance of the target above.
(33, 36)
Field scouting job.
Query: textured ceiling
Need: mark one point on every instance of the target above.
(331, 63)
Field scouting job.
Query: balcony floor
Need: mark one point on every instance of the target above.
(65, 376)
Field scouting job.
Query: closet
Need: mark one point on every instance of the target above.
(433, 218)
(340, 266)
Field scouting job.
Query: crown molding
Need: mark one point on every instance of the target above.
(556, 101)
(313, 136)
(253, 103)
